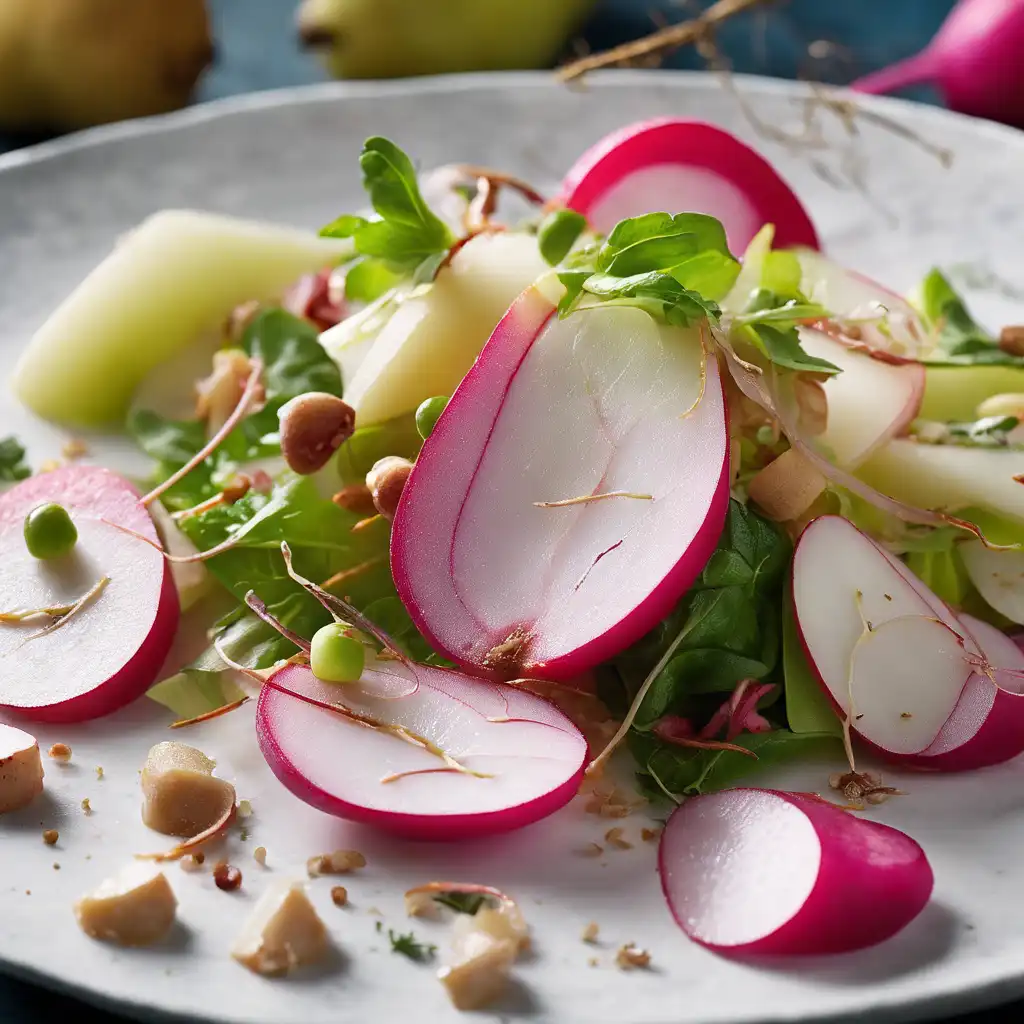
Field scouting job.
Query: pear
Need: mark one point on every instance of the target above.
(68, 64)
(392, 38)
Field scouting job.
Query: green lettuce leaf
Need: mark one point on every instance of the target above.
(808, 710)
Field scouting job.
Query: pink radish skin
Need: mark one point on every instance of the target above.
(534, 754)
(110, 651)
(755, 872)
(671, 165)
(975, 695)
(601, 402)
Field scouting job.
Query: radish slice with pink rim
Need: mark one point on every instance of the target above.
(676, 165)
(755, 872)
(497, 560)
(512, 757)
(923, 685)
(110, 649)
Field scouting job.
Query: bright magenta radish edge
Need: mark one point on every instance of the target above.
(855, 902)
(435, 827)
(651, 143)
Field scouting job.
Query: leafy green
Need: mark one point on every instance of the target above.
(12, 461)
(461, 902)
(807, 708)
(572, 281)
(408, 945)
(658, 241)
(368, 279)
(557, 234)
(658, 294)
(988, 432)
(943, 571)
(684, 771)
(730, 625)
(960, 337)
(355, 458)
(769, 323)
(172, 443)
(407, 232)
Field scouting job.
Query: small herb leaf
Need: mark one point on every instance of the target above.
(409, 946)
(12, 461)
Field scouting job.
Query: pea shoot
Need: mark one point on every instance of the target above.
(335, 657)
(49, 531)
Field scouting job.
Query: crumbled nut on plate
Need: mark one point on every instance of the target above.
(614, 837)
(227, 877)
(74, 448)
(340, 862)
(260, 855)
(134, 908)
(339, 895)
(60, 752)
(591, 850)
(283, 932)
(181, 796)
(629, 956)
(590, 931)
(21, 769)
(50, 837)
(99, 772)
(192, 862)
(86, 805)
(593, 962)
(650, 835)
(244, 809)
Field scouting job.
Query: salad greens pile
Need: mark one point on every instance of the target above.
(733, 627)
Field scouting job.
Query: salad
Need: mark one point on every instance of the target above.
(482, 512)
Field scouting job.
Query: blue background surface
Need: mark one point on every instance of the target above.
(257, 50)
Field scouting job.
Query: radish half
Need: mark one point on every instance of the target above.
(107, 652)
(869, 403)
(677, 165)
(923, 685)
(529, 756)
(757, 872)
(498, 562)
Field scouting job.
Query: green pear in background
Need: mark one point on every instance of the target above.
(392, 38)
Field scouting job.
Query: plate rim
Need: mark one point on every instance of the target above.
(993, 988)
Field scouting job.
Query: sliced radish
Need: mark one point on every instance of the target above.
(998, 576)
(757, 872)
(109, 650)
(850, 296)
(869, 403)
(676, 165)
(528, 756)
(497, 560)
(922, 684)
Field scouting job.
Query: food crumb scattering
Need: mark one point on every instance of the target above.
(260, 855)
(284, 932)
(21, 769)
(86, 806)
(60, 752)
(134, 908)
(340, 862)
(50, 837)
(227, 877)
(650, 835)
(614, 837)
(629, 957)
(591, 850)
(192, 862)
(339, 895)
(590, 932)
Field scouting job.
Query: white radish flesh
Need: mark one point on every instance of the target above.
(751, 872)
(110, 650)
(176, 275)
(426, 345)
(869, 403)
(670, 165)
(606, 406)
(529, 757)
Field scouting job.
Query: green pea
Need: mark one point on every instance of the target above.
(334, 657)
(49, 531)
(557, 234)
(428, 414)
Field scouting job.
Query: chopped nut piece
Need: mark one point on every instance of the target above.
(56, 866)
(50, 837)
(244, 809)
(629, 957)
(650, 835)
(134, 908)
(86, 806)
(589, 933)
(260, 855)
(591, 850)
(339, 895)
(74, 448)
(312, 428)
(862, 786)
(480, 978)
(227, 877)
(614, 837)
(341, 862)
(593, 962)
(181, 796)
(99, 772)
(192, 862)
(60, 752)
(283, 932)
(218, 394)
(21, 769)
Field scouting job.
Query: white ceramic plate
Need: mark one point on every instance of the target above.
(292, 157)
